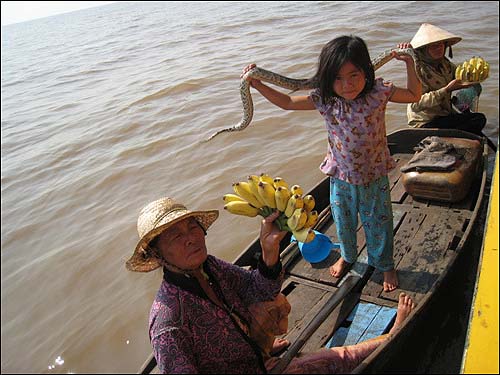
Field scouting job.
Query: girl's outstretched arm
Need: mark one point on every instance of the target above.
(413, 90)
(279, 99)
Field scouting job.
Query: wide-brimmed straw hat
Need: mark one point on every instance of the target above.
(156, 217)
(428, 34)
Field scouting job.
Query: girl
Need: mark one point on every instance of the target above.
(353, 104)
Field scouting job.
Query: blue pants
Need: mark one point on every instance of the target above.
(373, 203)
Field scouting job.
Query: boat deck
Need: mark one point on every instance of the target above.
(426, 236)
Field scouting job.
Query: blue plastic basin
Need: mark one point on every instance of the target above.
(318, 249)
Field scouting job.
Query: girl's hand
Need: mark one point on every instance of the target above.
(270, 237)
(406, 58)
(404, 45)
(249, 79)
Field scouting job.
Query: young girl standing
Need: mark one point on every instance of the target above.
(353, 102)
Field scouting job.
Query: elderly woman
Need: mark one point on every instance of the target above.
(207, 314)
(434, 109)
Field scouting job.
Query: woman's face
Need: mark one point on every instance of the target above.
(350, 81)
(183, 244)
(436, 50)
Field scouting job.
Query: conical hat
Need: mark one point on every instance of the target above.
(428, 34)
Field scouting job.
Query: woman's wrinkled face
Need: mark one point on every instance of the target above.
(349, 82)
(183, 244)
(436, 50)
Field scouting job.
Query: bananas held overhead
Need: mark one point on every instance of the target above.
(474, 70)
(262, 195)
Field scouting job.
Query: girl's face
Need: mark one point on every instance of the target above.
(350, 81)
(436, 50)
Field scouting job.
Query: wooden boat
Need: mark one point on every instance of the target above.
(429, 235)
(481, 347)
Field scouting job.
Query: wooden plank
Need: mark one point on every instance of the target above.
(380, 323)
(331, 324)
(360, 320)
(365, 322)
(422, 267)
(424, 256)
(403, 242)
(395, 174)
(301, 312)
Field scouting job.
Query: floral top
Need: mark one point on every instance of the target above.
(357, 143)
(191, 334)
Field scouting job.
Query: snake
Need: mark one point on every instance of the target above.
(296, 84)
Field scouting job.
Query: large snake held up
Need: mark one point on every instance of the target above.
(295, 84)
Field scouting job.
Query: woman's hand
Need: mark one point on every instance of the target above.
(457, 84)
(249, 79)
(270, 237)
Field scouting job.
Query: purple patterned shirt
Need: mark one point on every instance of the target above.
(357, 143)
(190, 334)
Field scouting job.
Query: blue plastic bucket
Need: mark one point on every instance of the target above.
(318, 249)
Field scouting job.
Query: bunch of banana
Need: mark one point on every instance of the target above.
(474, 70)
(262, 195)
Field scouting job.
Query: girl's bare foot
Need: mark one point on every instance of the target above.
(339, 267)
(390, 280)
(279, 345)
(405, 307)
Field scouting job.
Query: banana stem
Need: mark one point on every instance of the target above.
(280, 221)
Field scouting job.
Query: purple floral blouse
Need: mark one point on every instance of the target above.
(191, 334)
(357, 144)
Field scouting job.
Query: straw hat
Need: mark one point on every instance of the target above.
(428, 34)
(156, 217)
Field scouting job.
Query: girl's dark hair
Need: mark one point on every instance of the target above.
(336, 53)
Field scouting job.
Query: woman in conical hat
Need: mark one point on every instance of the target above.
(435, 110)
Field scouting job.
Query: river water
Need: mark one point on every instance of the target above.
(103, 111)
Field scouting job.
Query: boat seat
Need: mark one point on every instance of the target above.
(366, 321)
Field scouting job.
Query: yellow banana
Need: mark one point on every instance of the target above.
(264, 177)
(464, 71)
(278, 181)
(302, 214)
(479, 64)
(266, 192)
(312, 219)
(296, 189)
(294, 222)
(253, 183)
(458, 72)
(486, 70)
(232, 197)
(309, 202)
(295, 201)
(241, 208)
(243, 190)
(304, 235)
(281, 196)
(473, 61)
(468, 73)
